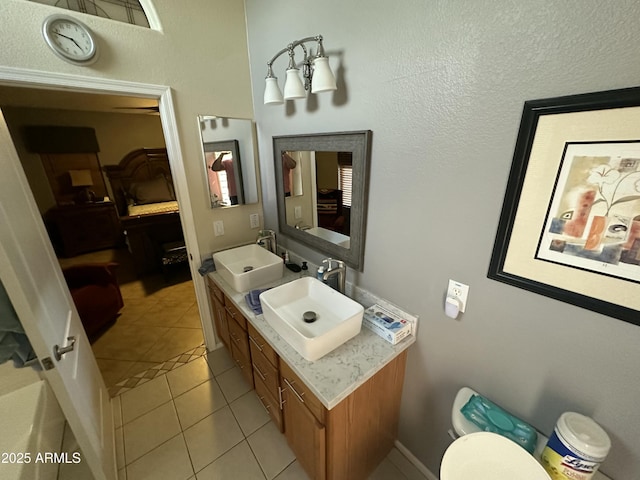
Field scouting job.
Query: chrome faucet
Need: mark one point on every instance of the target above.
(340, 270)
(270, 237)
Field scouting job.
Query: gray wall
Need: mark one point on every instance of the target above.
(442, 86)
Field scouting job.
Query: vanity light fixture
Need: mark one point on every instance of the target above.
(315, 70)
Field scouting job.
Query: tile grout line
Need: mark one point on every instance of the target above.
(264, 474)
(141, 378)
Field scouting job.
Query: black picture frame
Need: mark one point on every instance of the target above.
(597, 117)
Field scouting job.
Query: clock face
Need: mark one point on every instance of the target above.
(70, 39)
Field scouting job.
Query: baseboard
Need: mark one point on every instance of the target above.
(411, 458)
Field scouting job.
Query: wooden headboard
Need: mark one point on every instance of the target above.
(137, 166)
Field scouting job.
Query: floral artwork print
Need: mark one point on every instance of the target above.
(593, 221)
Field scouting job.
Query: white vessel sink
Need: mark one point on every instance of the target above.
(337, 317)
(247, 267)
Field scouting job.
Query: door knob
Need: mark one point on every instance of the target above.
(59, 352)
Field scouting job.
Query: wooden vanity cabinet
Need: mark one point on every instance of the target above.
(219, 312)
(351, 439)
(239, 341)
(264, 361)
(347, 441)
(305, 432)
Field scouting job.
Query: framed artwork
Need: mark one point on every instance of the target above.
(570, 222)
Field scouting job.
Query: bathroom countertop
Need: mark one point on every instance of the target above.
(335, 376)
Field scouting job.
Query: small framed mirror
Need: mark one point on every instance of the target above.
(322, 188)
(230, 160)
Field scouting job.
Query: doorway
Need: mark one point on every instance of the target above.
(159, 324)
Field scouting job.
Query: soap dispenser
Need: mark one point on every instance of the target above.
(320, 273)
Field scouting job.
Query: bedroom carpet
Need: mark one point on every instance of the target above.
(159, 324)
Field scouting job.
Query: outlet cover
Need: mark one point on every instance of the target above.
(460, 291)
(254, 220)
(297, 212)
(218, 228)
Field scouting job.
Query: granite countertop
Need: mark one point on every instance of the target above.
(335, 376)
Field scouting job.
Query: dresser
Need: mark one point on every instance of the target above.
(82, 228)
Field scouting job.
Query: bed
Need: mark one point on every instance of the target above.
(143, 192)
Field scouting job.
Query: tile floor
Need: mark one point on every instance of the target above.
(201, 421)
(159, 321)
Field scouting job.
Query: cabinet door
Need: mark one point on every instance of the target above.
(220, 320)
(295, 385)
(239, 338)
(269, 402)
(265, 371)
(234, 314)
(305, 435)
(219, 314)
(259, 344)
(243, 364)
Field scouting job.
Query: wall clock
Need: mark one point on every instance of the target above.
(70, 39)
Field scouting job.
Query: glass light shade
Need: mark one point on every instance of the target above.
(323, 79)
(293, 87)
(272, 93)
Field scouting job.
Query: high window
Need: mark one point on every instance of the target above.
(127, 11)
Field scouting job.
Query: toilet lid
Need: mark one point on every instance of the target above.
(489, 456)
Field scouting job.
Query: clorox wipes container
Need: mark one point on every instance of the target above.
(576, 448)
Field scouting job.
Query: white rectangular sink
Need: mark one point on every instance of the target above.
(337, 317)
(247, 267)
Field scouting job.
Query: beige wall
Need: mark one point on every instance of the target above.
(201, 53)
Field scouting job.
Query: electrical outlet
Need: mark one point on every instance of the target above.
(297, 212)
(460, 291)
(218, 228)
(254, 220)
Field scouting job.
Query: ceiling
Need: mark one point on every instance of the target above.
(11, 96)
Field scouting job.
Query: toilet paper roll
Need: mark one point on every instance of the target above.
(451, 307)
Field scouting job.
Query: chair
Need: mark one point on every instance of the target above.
(173, 253)
(96, 294)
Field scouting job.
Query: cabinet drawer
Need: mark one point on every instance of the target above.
(271, 404)
(215, 289)
(220, 320)
(238, 337)
(292, 383)
(235, 314)
(258, 344)
(243, 363)
(266, 372)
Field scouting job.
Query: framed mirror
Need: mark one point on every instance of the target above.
(322, 185)
(228, 146)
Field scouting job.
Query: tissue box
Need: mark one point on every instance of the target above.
(391, 326)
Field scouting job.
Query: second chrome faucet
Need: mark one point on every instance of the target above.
(335, 267)
(268, 236)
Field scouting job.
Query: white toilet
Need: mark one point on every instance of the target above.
(478, 455)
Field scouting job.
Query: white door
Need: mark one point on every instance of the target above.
(32, 277)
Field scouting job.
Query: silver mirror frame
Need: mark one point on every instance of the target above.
(359, 144)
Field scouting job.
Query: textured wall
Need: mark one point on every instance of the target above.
(442, 86)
